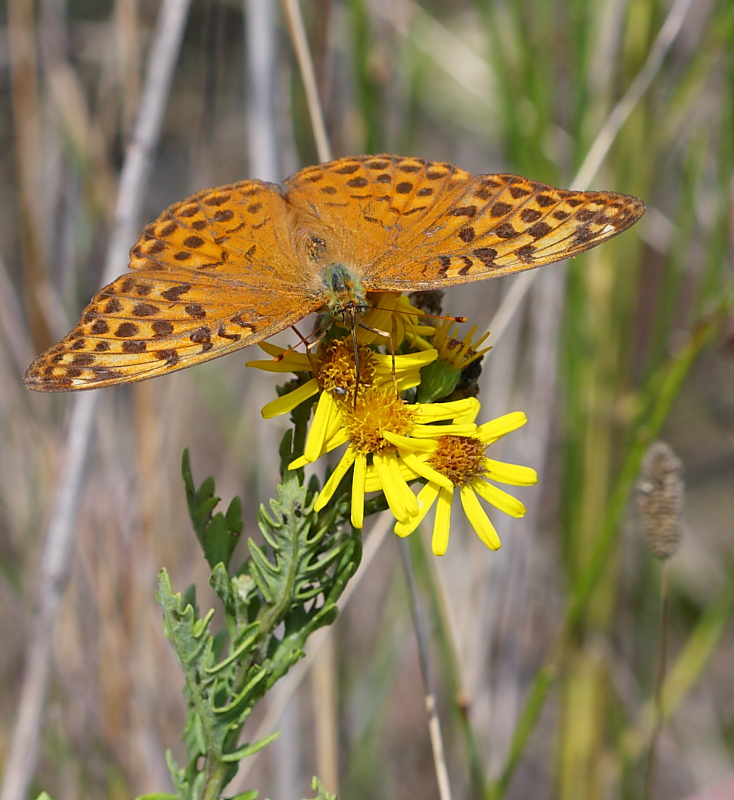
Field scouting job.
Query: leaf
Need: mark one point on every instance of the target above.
(322, 794)
(157, 796)
(218, 534)
(251, 749)
(289, 584)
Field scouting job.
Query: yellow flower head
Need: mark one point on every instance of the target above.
(449, 374)
(383, 435)
(461, 460)
(389, 442)
(334, 371)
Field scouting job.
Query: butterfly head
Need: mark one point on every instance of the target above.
(345, 295)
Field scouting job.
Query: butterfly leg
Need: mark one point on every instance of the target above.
(387, 335)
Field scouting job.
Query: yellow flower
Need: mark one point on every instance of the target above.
(384, 437)
(461, 463)
(395, 315)
(449, 375)
(390, 443)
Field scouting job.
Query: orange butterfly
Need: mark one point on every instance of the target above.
(230, 266)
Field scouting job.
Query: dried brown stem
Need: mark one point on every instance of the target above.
(59, 539)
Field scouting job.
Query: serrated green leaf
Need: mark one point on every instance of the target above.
(294, 578)
(218, 535)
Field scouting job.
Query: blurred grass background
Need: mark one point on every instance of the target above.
(546, 649)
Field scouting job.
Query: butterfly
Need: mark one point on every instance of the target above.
(230, 266)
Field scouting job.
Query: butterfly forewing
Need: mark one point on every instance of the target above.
(214, 273)
(503, 224)
(406, 223)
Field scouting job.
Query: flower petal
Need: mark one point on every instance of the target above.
(426, 498)
(478, 518)
(498, 498)
(409, 502)
(322, 419)
(433, 431)
(511, 474)
(442, 522)
(335, 479)
(408, 381)
(298, 362)
(405, 361)
(358, 481)
(434, 412)
(395, 488)
(407, 443)
(497, 428)
(424, 470)
(286, 403)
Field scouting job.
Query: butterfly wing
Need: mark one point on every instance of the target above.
(230, 266)
(410, 224)
(362, 208)
(212, 274)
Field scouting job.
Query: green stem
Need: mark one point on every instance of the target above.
(216, 775)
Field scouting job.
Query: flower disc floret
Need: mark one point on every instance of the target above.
(459, 458)
(336, 367)
(376, 411)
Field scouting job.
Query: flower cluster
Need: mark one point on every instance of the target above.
(406, 417)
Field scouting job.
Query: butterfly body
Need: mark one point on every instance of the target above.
(230, 266)
(344, 293)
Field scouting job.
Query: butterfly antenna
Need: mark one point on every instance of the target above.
(430, 316)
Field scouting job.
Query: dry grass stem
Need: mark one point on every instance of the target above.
(297, 31)
(600, 147)
(59, 538)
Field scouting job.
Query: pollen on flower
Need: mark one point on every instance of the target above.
(459, 458)
(337, 369)
(376, 411)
